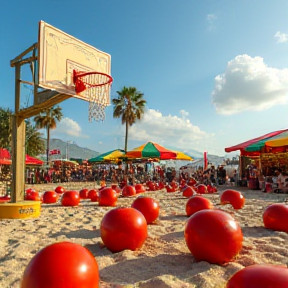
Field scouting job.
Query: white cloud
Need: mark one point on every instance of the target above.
(281, 37)
(171, 131)
(68, 127)
(211, 18)
(249, 84)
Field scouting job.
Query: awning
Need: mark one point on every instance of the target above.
(256, 144)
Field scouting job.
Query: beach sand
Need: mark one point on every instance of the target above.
(163, 261)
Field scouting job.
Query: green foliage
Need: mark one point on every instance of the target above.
(129, 106)
(5, 128)
(34, 142)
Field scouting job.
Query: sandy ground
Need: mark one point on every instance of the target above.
(163, 261)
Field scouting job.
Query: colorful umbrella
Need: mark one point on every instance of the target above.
(108, 156)
(151, 150)
(258, 144)
(183, 156)
(64, 161)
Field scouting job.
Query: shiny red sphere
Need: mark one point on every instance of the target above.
(32, 195)
(148, 206)
(202, 189)
(107, 197)
(140, 188)
(50, 197)
(275, 217)
(197, 203)
(83, 193)
(70, 198)
(188, 191)
(128, 191)
(233, 197)
(93, 193)
(260, 276)
(211, 189)
(123, 228)
(213, 236)
(191, 182)
(60, 190)
(62, 264)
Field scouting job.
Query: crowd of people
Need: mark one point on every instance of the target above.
(132, 174)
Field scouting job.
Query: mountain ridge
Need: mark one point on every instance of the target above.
(70, 150)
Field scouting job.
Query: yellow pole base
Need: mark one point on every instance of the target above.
(20, 210)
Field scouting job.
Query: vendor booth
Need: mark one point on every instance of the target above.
(261, 157)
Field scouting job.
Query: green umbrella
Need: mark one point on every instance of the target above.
(108, 156)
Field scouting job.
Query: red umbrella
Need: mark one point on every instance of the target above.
(4, 154)
(5, 157)
(29, 160)
(5, 162)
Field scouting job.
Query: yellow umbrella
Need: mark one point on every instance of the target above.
(183, 156)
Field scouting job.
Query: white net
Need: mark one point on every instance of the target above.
(98, 92)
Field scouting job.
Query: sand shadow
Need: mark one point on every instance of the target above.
(174, 217)
(257, 232)
(80, 233)
(131, 270)
(81, 204)
(172, 237)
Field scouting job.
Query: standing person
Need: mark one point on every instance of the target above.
(32, 177)
(37, 176)
(223, 175)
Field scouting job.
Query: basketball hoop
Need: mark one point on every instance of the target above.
(98, 84)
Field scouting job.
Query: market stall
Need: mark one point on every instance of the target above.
(261, 156)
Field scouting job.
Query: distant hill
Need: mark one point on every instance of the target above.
(73, 150)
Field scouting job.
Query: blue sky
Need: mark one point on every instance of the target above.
(213, 73)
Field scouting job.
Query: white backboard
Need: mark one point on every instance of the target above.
(59, 54)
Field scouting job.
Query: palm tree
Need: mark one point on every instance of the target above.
(47, 119)
(129, 106)
(33, 140)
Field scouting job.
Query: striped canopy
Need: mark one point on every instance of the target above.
(262, 144)
(151, 150)
(108, 156)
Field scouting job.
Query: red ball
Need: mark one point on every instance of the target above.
(123, 228)
(62, 264)
(170, 189)
(192, 182)
(211, 189)
(107, 197)
(213, 236)
(93, 193)
(139, 188)
(60, 190)
(128, 190)
(188, 191)
(50, 197)
(202, 189)
(233, 197)
(70, 198)
(32, 195)
(260, 276)
(275, 217)
(197, 203)
(84, 193)
(148, 207)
